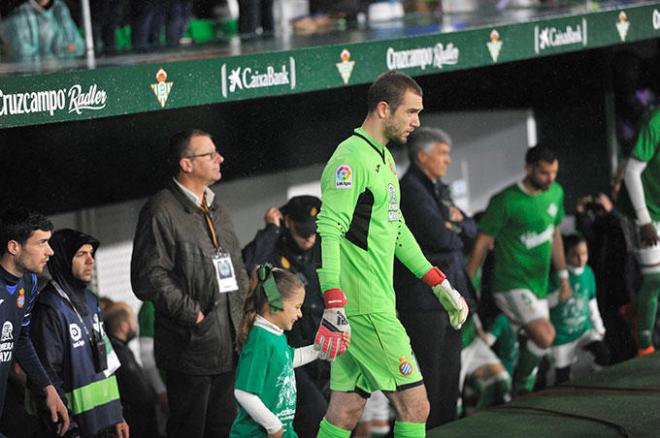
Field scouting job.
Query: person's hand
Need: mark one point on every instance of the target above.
(565, 291)
(329, 340)
(455, 214)
(605, 201)
(648, 234)
(449, 297)
(581, 206)
(59, 414)
(121, 429)
(200, 317)
(277, 434)
(273, 216)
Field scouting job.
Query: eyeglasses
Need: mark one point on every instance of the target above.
(210, 155)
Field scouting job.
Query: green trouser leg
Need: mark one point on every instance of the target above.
(329, 430)
(647, 304)
(405, 429)
(530, 358)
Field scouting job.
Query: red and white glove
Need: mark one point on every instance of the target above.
(329, 338)
(449, 297)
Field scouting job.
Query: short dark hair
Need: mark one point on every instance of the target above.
(573, 240)
(114, 318)
(390, 87)
(19, 223)
(538, 153)
(178, 147)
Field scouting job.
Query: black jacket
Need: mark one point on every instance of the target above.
(172, 266)
(425, 207)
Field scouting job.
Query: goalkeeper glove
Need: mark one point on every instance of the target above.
(449, 297)
(329, 338)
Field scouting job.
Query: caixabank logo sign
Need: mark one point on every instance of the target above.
(549, 37)
(243, 78)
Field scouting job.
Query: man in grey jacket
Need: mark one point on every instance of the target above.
(187, 260)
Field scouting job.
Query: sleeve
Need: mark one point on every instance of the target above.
(495, 217)
(633, 179)
(469, 227)
(342, 183)
(409, 253)
(262, 247)
(70, 33)
(152, 266)
(304, 355)
(648, 139)
(47, 337)
(253, 367)
(19, 38)
(258, 411)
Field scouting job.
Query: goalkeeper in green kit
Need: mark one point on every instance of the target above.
(362, 230)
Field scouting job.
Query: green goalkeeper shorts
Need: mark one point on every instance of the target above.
(379, 357)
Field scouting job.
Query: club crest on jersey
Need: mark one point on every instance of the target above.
(405, 367)
(344, 177)
(7, 332)
(20, 300)
(286, 264)
(392, 166)
(552, 210)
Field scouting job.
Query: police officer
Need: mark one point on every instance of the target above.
(289, 241)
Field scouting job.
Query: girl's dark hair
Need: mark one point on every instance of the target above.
(255, 302)
(573, 240)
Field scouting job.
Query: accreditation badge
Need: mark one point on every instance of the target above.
(224, 273)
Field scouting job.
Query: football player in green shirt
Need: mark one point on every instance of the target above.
(362, 230)
(522, 221)
(641, 204)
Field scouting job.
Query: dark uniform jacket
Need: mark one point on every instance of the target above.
(172, 266)
(426, 208)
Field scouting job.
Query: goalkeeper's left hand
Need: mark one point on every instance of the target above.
(449, 297)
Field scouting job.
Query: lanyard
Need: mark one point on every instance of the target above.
(62, 294)
(209, 223)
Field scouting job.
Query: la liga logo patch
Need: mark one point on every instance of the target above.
(405, 367)
(344, 177)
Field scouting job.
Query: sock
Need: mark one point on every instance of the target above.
(647, 304)
(562, 375)
(329, 430)
(405, 429)
(503, 388)
(530, 358)
(486, 393)
(494, 390)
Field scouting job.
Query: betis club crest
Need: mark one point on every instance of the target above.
(345, 67)
(162, 87)
(623, 25)
(494, 45)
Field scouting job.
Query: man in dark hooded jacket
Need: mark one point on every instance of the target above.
(68, 335)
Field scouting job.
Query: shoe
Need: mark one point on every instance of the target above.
(645, 351)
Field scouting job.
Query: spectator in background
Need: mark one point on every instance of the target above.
(177, 17)
(577, 321)
(138, 397)
(40, 29)
(255, 15)
(289, 241)
(69, 337)
(147, 19)
(107, 16)
(187, 260)
(441, 229)
(522, 221)
(24, 237)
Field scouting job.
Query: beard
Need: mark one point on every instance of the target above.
(538, 185)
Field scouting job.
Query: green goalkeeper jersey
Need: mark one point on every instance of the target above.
(523, 226)
(362, 228)
(647, 149)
